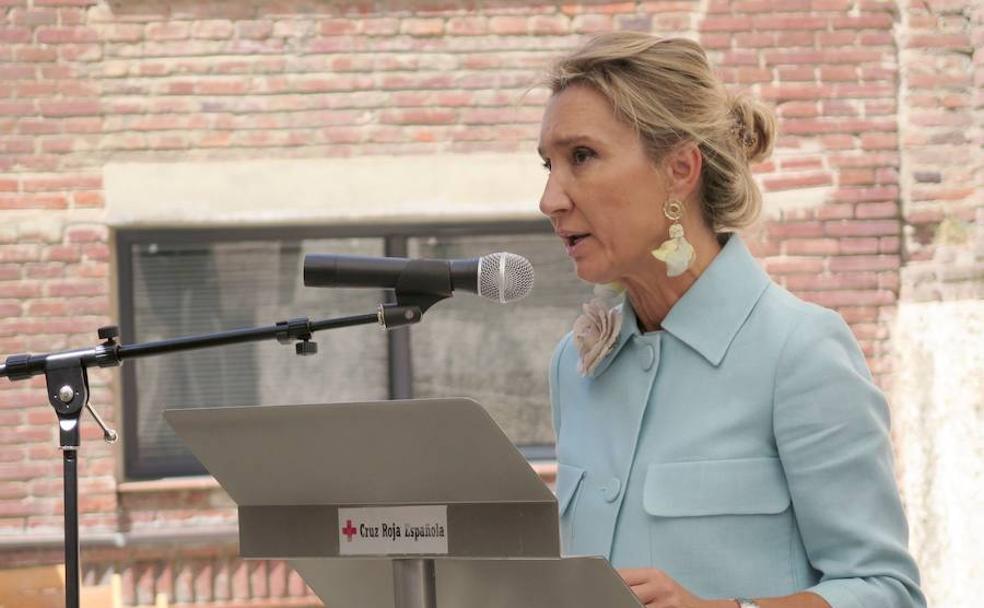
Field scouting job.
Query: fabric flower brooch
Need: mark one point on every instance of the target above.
(596, 330)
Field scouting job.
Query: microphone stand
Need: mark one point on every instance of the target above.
(67, 384)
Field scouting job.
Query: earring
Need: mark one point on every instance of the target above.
(676, 252)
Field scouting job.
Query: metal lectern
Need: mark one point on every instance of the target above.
(396, 504)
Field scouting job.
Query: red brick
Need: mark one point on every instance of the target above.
(33, 17)
(796, 182)
(549, 25)
(17, 108)
(715, 41)
(467, 26)
(877, 210)
(863, 228)
(434, 116)
(87, 234)
(889, 244)
(215, 29)
(337, 27)
(422, 27)
(850, 298)
(858, 246)
(75, 287)
(803, 92)
(793, 38)
(508, 25)
(838, 281)
(34, 54)
(61, 182)
(789, 22)
(725, 24)
(168, 30)
(63, 253)
(794, 265)
(47, 308)
(70, 108)
(80, 3)
(591, 24)
(868, 21)
(838, 73)
(254, 30)
(796, 73)
(798, 109)
(380, 27)
(889, 280)
(44, 270)
(811, 246)
(750, 40)
(66, 35)
(20, 253)
(9, 308)
(609, 8)
(19, 35)
(856, 195)
(864, 262)
(836, 39)
(96, 251)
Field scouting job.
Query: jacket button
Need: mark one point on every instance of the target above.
(610, 490)
(648, 357)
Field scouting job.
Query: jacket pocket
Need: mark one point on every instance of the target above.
(568, 479)
(743, 486)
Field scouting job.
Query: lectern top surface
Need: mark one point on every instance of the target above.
(414, 451)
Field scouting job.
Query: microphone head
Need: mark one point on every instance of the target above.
(504, 277)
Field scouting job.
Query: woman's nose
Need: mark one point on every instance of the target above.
(553, 200)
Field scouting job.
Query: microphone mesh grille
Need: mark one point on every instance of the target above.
(505, 277)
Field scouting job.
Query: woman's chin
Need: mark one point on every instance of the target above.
(592, 273)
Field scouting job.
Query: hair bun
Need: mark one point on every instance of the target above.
(754, 128)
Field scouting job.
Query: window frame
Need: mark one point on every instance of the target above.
(394, 238)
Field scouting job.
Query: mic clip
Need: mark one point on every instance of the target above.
(392, 316)
(299, 330)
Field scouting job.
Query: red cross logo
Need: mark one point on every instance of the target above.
(348, 530)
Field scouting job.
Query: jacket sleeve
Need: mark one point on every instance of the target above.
(832, 433)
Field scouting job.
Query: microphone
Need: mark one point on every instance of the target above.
(500, 277)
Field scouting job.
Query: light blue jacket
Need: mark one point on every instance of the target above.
(743, 449)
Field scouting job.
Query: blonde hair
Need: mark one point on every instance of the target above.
(665, 88)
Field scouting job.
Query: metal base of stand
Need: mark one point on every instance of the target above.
(414, 583)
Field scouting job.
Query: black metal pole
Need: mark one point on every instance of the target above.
(72, 568)
(238, 336)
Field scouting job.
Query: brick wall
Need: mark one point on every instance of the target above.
(876, 99)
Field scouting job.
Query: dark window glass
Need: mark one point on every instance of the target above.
(177, 283)
(498, 354)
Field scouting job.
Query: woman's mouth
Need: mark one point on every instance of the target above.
(571, 241)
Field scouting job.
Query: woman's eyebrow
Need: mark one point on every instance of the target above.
(567, 140)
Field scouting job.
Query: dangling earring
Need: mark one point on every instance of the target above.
(677, 252)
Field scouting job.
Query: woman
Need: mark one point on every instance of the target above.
(718, 439)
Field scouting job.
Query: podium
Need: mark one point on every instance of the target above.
(395, 504)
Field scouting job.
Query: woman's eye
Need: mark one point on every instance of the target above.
(546, 165)
(580, 155)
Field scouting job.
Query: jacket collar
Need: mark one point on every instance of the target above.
(709, 315)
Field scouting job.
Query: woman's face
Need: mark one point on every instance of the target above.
(604, 194)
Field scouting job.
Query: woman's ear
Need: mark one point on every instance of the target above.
(683, 165)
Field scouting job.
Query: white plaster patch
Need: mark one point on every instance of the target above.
(775, 204)
(938, 425)
(264, 192)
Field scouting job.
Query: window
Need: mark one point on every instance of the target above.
(185, 282)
